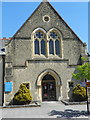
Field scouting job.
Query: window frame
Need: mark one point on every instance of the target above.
(59, 39)
(47, 55)
(39, 39)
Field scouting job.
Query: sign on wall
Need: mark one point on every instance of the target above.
(83, 84)
(88, 84)
(8, 86)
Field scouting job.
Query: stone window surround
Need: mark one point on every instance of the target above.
(44, 18)
(47, 44)
(40, 39)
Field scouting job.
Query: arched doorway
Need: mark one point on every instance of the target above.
(48, 88)
(55, 78)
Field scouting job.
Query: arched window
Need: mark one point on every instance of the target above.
(54, 42)
(39, 42)
(47, 44)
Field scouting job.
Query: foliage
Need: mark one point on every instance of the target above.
(85, 58)
(83, 72)
(79, 93)
(22, 96)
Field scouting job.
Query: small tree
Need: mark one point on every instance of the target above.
(79, 93)
(22, 96)
(83, 72)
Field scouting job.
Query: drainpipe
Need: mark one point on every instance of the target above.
(3, 75)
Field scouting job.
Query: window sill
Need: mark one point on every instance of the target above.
(48, 57)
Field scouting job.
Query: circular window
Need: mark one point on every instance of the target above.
(46, 18)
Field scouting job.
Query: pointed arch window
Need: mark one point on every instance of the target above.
(39, 42)
(47, 44)
(54, 43)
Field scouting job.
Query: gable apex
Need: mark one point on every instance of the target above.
(45, 8)
(45, 1)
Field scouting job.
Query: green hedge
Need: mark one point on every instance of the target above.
(79, 93)
(23, 96)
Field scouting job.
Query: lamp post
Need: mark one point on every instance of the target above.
(87, 97)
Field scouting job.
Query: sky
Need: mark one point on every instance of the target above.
(75, 14)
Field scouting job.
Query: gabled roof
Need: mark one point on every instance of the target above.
(55, 12)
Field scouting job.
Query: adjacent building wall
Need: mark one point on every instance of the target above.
(1, 79)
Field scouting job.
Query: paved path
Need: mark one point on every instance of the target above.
(47, 110)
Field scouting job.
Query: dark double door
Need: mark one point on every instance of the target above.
(48, 90)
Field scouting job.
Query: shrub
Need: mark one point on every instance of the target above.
(23, 96)
(79, 93)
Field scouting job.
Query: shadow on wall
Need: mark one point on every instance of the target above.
(75, 82)
(70, 94)
(68, 113)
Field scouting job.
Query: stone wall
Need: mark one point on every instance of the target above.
(30, 75)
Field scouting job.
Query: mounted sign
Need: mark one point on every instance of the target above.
(8, 86)
(88, 84)
(83, 84)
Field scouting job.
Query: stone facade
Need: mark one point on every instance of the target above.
(21, 65)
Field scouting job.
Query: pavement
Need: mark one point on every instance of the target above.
(47, 110)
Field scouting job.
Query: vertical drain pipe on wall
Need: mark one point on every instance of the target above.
(3, 75)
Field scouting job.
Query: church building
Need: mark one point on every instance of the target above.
(42, 54)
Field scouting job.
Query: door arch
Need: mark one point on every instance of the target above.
(58, 83)
(48, 88)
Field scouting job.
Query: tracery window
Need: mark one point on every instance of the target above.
(39, 43)
(54, 43)
(47, 43)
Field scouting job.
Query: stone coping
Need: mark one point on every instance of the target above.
(66, 102)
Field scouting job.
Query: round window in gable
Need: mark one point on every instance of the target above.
(46, 18)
